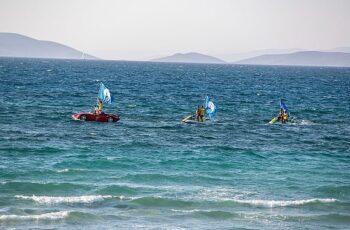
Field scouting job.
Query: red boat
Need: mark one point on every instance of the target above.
(102, 117)
(104, 97)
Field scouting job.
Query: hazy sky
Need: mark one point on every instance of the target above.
(143, 29)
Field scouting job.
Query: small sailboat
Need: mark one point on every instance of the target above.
(83, 56)
(104, 97)
(283, 115)
(210, 111)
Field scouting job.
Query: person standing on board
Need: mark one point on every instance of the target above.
(99, 107)
(280, 115)
(201, 113)
(285, 117)
(198, 112)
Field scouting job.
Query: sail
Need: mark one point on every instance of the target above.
(210, 107)
(206, 102)
(104, 94)
(283, 106)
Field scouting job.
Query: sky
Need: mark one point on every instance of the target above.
(145, 29)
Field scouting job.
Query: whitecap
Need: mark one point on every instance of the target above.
(283, 203)
(45, 216)
(189, 211)
(62, 170)
(222, 193)
(296, 121)
(306, 122)
(65, 199)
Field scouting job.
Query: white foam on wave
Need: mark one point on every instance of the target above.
(191, 210)
(221, 193)
(155, 226)
(301, 122)
(231, 194)
(185, 211)
(306, 122)
(45, 216)
(283, 203)
(62, 170)
(65, 199)
(69, 170)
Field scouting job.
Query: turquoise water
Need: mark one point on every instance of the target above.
(149, 170)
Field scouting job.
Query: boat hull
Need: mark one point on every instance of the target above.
(103, 117)
(192, 120)
(274, 120)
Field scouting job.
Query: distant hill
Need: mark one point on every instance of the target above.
(305, 58)
(16, 45)
(190, 58)
(339, 49)
(233, 57)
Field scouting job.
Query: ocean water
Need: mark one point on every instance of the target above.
(150, 171)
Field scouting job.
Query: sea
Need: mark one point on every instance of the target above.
(150, 170)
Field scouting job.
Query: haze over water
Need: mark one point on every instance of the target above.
(149, 170)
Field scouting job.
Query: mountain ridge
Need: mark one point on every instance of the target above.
(17, 45)
(191, 57)
(302, 58)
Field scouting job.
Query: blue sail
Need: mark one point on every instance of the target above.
(283, 106)
(104, 94)
(210, 108)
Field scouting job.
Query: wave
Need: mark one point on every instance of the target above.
(38, 187)
(296, 121)
(337, 218)
(45, 216)
(189, 211)
(229, 196)
(216, 214)
(283, 203)
(334, 217)
(65, 170)
(67, 199)
(62, 170)
(162, 202)
(118, 189)
(334, 190)
(306, 122)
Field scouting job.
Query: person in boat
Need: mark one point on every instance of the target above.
(198, 111)
(285, 117)
(201, 113)
(280, 115)
(99, 107)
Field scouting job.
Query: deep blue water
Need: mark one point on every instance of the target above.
(151, 171)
